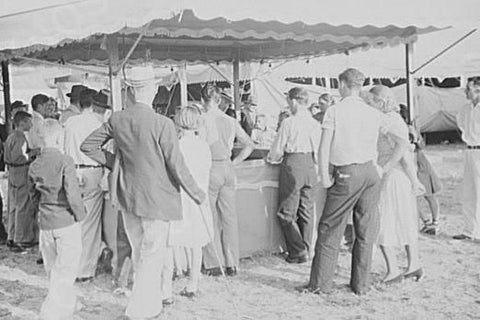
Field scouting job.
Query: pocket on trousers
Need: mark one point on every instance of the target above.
(341, 185)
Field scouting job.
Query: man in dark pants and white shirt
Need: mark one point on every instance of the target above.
(349, 144)
(297, 144)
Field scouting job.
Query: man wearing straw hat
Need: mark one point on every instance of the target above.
(147, 175)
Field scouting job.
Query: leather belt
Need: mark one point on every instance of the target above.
(473, 147)
(86, 166)
(18, 165)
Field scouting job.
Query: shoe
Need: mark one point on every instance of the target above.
(231, 271)
(105, 262)
(188, 294)
(397, 279)
(298, 260)
(213, 272)
(168, 302)
(16, 248)
(83, 279)
(417, 274)
(307, 289)
(40, 261)
(10, 243)
(462, 237)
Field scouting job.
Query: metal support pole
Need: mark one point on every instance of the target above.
(409, 84)
(236, 82)
(113, 74)
(6, 94)
(182, 73)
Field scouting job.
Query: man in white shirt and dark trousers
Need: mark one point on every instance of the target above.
(297, 142)
(349, 144)
(89, 173)
(468, 120)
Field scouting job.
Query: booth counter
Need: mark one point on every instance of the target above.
(257, 204)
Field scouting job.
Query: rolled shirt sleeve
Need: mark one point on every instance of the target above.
(278, 146)
(329, 119)
(92, 146)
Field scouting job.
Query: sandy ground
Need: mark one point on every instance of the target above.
(264, 288)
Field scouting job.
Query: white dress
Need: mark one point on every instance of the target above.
(397, 204)
(191, 231)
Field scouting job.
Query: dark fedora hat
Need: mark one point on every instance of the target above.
(76, 90)
(100, 99)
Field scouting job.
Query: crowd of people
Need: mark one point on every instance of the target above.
(94, 187)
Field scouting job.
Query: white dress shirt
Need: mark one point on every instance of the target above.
(299, 133)
(356, 128)
(77, 129)
(468, 120)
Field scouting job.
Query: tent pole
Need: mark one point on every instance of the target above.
(182, 72)
(236, 82)
(113, 74)
(409, 79)
(130, 52)
(6, 94)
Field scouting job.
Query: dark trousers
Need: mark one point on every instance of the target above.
(296, 202)
(3, 231)
(356, 188)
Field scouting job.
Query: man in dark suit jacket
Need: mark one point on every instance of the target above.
(148, 172)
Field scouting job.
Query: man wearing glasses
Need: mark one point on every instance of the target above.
(468, 120)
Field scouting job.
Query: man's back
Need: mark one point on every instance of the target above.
(77, 128)
(151, 165)
(356, 126)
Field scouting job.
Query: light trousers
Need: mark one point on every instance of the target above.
(222, 196)
(150, 257)
(61, 250)
(92, 195)
(471, 194)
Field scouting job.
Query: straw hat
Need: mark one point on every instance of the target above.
(140, 76)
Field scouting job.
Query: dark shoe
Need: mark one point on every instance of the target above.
(417, 274)
(307, 289)
(397, 279)
(105, 262)
(213, 272)
(16, 248)
(462, 237)
(231, 271)
(40, 261)
(188, 294)
(83, 279)
(168, 302)
(298, 260)
(10, 243)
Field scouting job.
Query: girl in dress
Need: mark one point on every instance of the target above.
(196, 228)
(397, 203)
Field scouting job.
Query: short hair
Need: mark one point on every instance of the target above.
(353, 78)
(210, 92)
(21, 116)
(327, 97)
(299, 94)
(39, 99)
(187, 118)
(86, 98)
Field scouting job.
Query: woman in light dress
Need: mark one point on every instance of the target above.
(196, 228)
(397, 203)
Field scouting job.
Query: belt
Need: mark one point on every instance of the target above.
(18, 165)
(87, 166)
(473, 147)
(298, 153)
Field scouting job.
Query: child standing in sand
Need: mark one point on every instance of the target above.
(196, 228)
(55, 192)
